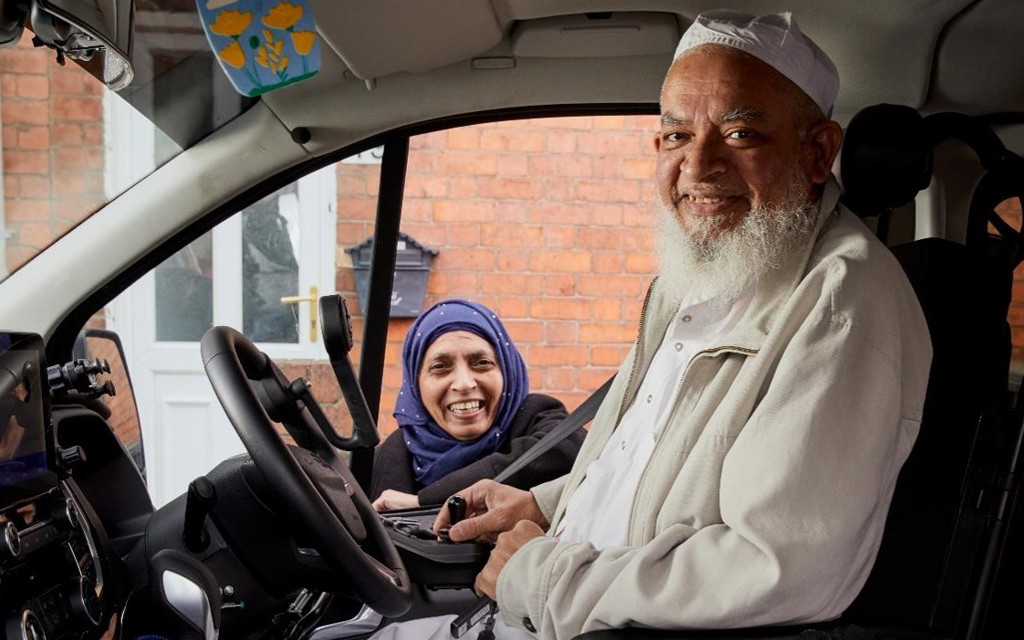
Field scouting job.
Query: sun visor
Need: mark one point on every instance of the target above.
(376, 38)
(596, 35)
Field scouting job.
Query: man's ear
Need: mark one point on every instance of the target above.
(821, 144)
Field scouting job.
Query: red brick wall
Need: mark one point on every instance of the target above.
(1011, 212)
(545, 221)
(52, 147)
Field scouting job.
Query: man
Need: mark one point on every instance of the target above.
(740, 469)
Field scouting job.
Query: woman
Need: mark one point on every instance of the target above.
(464, 412)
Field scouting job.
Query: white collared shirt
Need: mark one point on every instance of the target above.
(599, 510)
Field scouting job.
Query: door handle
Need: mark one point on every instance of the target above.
(314, 308)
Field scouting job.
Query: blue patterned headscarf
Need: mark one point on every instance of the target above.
(435, 452)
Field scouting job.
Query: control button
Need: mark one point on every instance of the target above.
(528, 624)
(31, 628)
(678, 346)
(84, 601)
(12, 540)
(72, 457)
(71, 515)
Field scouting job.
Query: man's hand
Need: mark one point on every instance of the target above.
(508, 543)
(491, 508)
(391, 499)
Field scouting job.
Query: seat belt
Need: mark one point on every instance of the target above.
(575, 420)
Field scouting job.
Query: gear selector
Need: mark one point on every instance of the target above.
(456, 512)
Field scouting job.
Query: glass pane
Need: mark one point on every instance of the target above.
(184, 293)
(547, 221)
(62, 159)
(124, 415)
(270, 237)
(52, 171)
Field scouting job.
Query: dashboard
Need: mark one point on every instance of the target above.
(54, 559)
(84, 554)
(52, 572)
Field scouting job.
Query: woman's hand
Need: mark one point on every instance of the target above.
(391, 500)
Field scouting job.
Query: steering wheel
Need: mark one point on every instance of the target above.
(313, 484)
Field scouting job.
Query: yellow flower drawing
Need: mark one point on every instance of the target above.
(231, 23)
(303, 41)
(269, 55)
(261, 57)
(233, 55)
(283, 16)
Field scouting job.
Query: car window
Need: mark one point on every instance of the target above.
(261, 272)
(547, 222)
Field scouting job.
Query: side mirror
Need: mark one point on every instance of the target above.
(12, 23)
(124, 413)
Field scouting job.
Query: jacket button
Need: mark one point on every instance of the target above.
(528, 624)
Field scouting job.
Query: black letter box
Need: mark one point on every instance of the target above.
(412, 267)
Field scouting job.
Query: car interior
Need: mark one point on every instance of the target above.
(119, 523)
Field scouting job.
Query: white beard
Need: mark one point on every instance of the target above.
(707, 263)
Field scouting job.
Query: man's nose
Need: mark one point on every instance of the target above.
(702, 161)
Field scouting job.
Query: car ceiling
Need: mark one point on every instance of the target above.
(389, 63)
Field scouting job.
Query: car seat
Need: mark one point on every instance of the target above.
(931, 574)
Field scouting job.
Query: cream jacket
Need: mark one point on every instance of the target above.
(765, 498)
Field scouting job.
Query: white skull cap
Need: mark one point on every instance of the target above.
(776, 40)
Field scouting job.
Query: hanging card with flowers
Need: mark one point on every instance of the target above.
(262, 45)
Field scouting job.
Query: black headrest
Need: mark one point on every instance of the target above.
(886, 159)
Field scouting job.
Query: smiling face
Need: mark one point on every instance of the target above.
(736, 135)
(460, 384)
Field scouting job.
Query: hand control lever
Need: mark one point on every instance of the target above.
(199, 502)
(456, 508)
(456, 512)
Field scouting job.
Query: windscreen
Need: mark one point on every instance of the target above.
(71, 145)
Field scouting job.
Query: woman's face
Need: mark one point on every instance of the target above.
(460, 384)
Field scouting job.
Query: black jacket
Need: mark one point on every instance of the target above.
(392, 464)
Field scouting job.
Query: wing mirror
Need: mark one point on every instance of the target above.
(95, 33)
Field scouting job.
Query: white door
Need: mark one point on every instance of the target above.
(235, 275)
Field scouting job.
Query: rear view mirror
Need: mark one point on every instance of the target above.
(95, 33)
